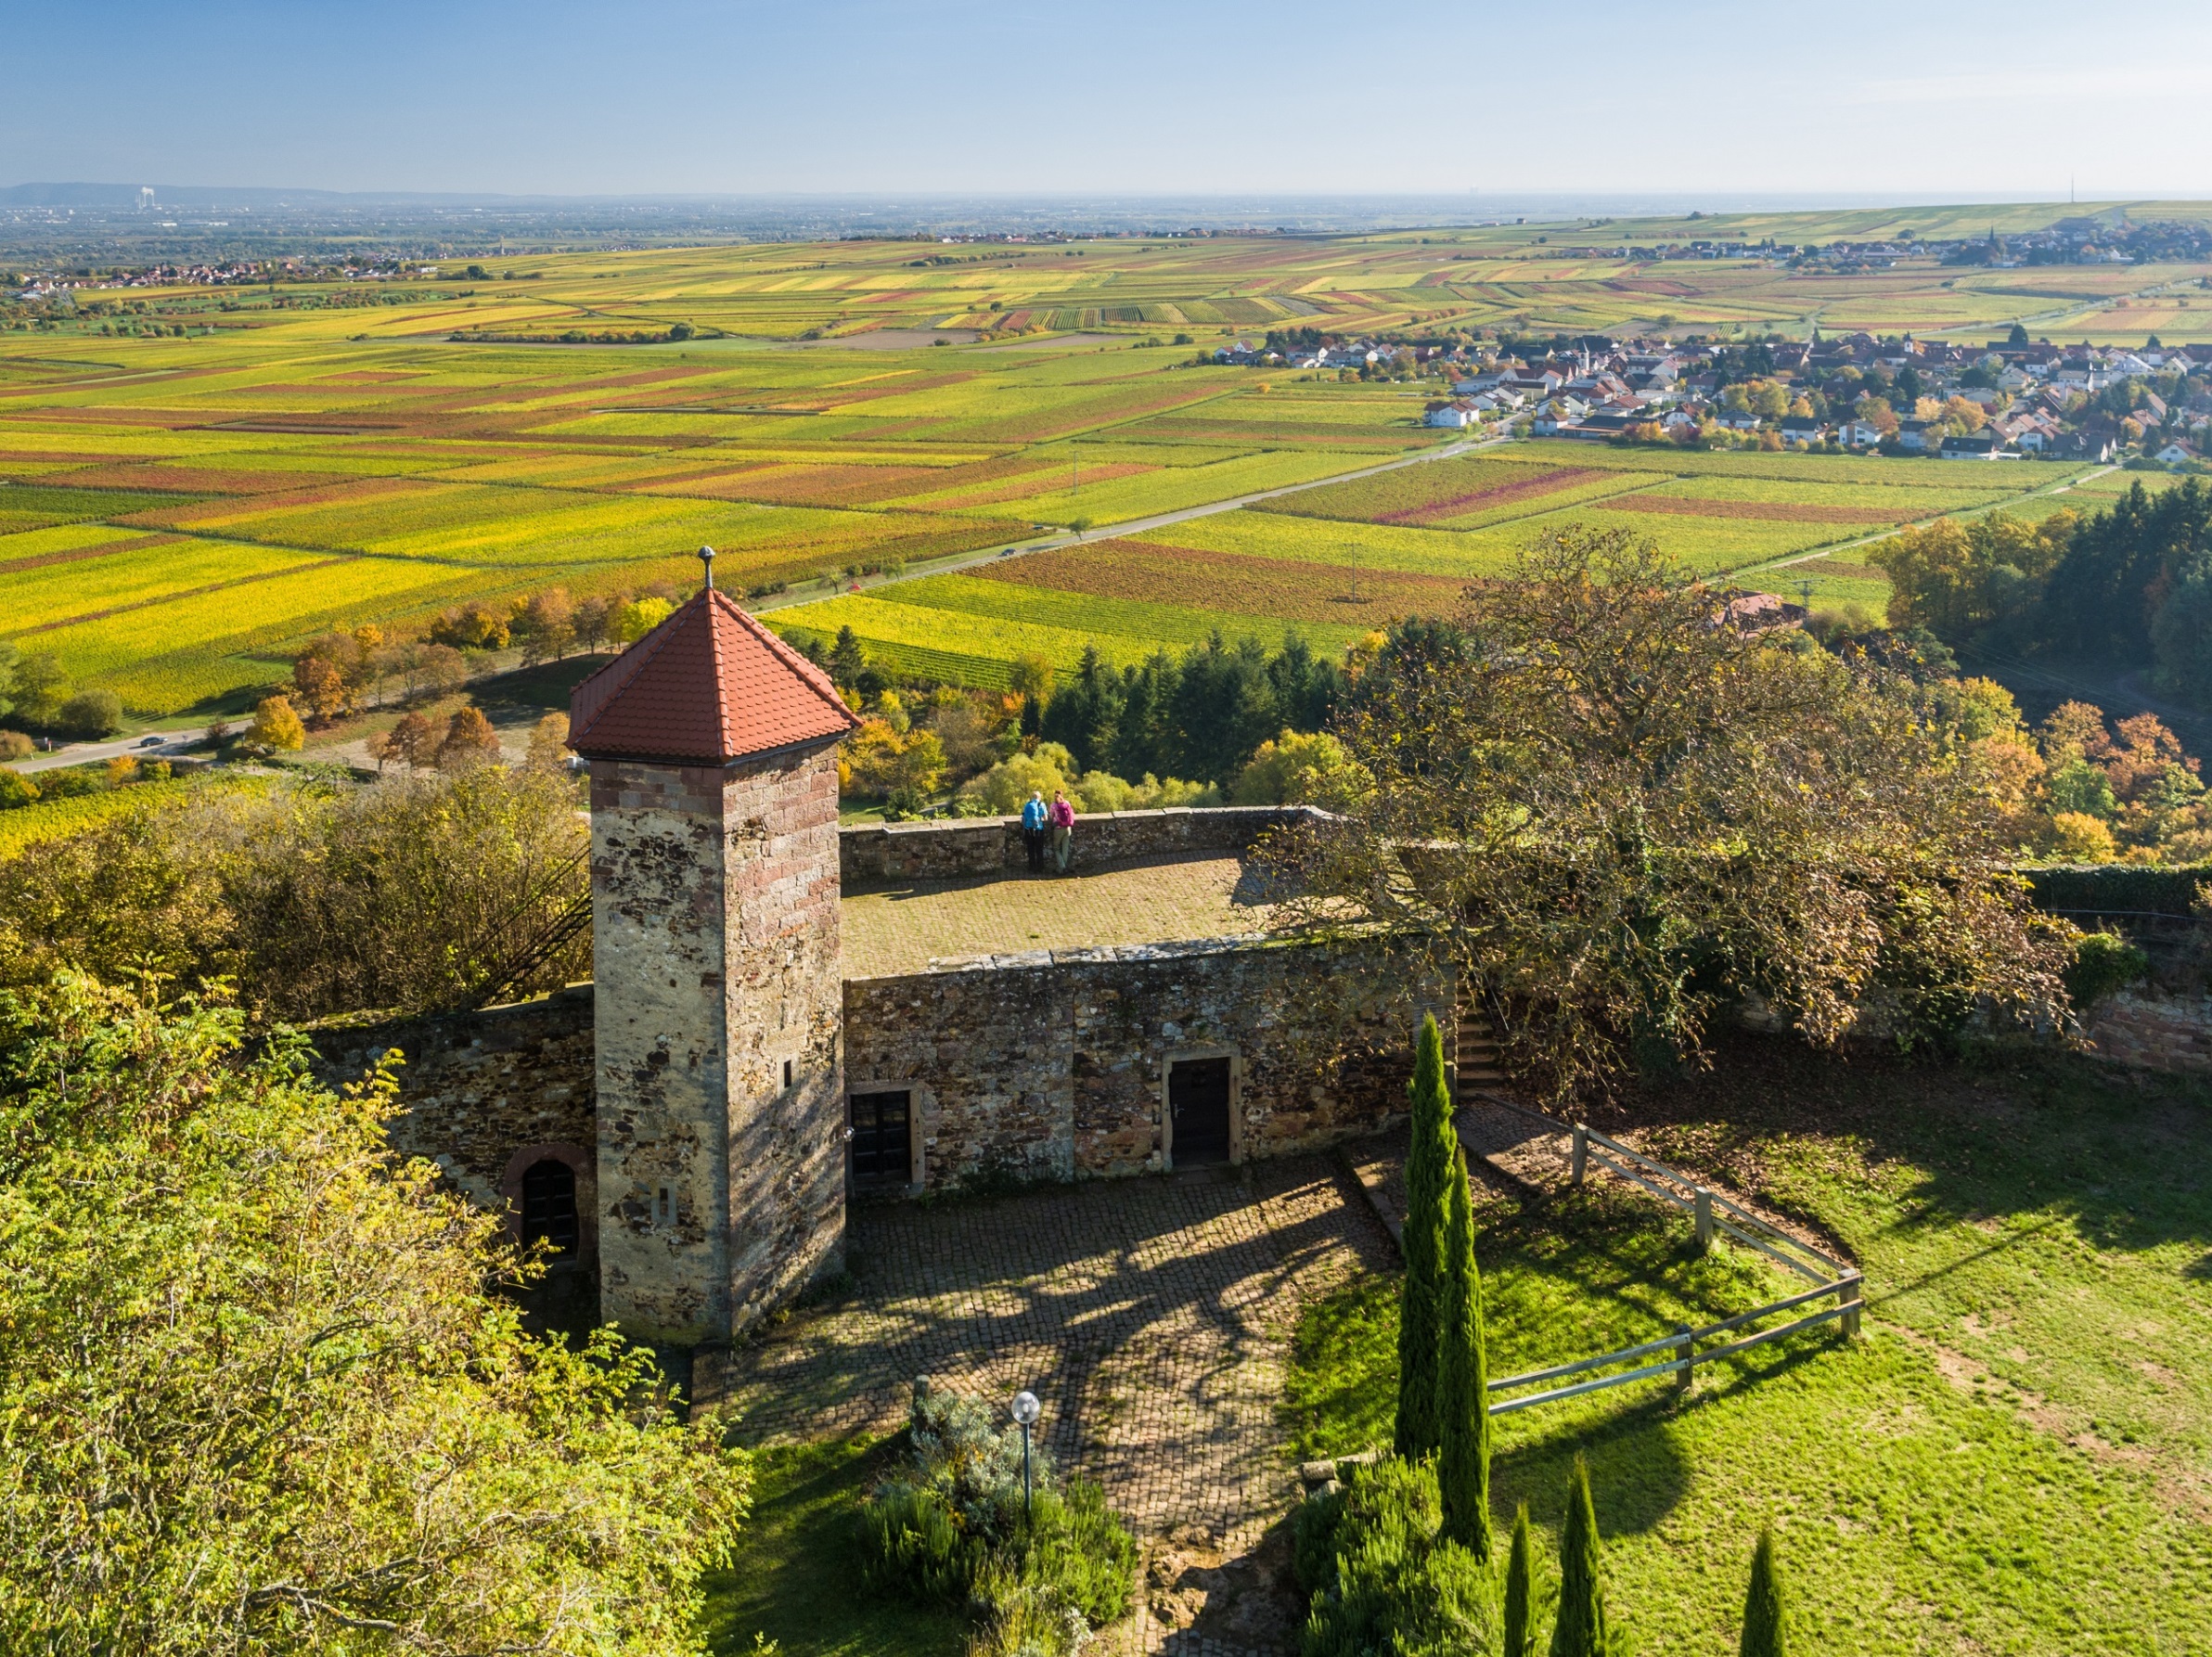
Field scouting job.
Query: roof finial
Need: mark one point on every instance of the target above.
(706, 563)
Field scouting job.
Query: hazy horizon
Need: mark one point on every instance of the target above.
(686, 99)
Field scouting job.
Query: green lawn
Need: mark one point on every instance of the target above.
(797, 1578)
(2017, 1457)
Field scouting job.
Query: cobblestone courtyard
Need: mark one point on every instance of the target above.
(1152, 1316)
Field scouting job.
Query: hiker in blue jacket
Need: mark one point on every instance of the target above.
(1035, 828)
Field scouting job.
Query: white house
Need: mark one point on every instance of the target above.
(1457, 413)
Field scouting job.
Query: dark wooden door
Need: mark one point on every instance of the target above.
(550, 1205)
(883, 1138)
(1198, 1098)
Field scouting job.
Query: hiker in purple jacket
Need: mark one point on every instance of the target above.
(1062, 816)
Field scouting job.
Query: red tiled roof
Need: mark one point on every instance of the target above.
(707, 686)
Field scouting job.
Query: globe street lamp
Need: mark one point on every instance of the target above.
(1026, 1410)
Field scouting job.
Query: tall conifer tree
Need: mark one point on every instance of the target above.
(1520, 1590)
(1462, 1377)
(1580, 1630)
(1428, 1165)
(1765, 1610)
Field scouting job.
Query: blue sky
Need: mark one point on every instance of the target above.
(681, 97)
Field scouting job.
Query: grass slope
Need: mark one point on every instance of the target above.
(2017, 1458)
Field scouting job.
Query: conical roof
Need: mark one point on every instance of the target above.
(708, 686)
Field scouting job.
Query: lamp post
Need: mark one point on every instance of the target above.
(1026, 1410)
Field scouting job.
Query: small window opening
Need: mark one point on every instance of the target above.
(786, 1075)
(664, 1206)
(550, 1205)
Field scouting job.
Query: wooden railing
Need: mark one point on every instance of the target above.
(1713, 1215)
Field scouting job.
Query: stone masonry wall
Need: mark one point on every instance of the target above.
(2154, 1029)
(876, 852)
(784, 1006)
(1052, 1064)
(657, 901)
(486, 1093)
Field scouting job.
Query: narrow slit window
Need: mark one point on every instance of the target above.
(665, 1205)
(786, 1075)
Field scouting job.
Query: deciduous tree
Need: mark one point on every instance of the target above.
(277, 727)
(469, 740)
(1620, 812)
(259, 1396)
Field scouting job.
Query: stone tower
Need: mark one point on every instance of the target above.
(711, 746)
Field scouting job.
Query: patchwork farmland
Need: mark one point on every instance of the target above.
(180, 509)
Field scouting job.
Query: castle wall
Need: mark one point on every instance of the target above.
(662, 1039)
(876, 852)
(783, 1007)
(484, 1095)
(1052, 1064)
(721, 1112)
(2151, 1029)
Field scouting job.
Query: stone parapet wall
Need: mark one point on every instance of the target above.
(2151, 1030)
(476, 1087)
(1052, 1064)
(872, 854)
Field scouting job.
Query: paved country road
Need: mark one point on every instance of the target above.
(1134, 526)
(80, 752)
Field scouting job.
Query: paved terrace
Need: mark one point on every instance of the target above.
(902, 928)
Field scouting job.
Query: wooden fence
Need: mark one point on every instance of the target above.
(1714, 1215)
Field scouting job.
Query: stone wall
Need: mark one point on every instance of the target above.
(1052, 1065)
(485, 1095)
(872, 854)
(2152, 1029)
(783, 1008)
(721, 1109)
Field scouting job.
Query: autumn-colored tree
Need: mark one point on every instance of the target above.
(1957, 577)
(549, 744)
(546, 625)
(319, 685)
(469, 740)
(1621, 813)
(262, 1395)
(277, 727)
(413, 742)
(639, 617)
(472, 628)
(591, 619)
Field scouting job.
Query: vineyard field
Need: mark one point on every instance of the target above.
(178, 513)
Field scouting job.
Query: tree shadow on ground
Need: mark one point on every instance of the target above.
(2122, 1155)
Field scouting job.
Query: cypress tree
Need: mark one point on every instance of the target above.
(1462, 1377)
(1520, 1590)
(1765, 1610)
(1428, 1165)
(1580, 1630)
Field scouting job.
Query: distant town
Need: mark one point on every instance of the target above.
(2002, 399)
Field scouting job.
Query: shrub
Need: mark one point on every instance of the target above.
(1393, 1584)
(2104, 963)
(16, 789)
(2078, 837)
(949, 1527)
(89, 714)
(13, 745)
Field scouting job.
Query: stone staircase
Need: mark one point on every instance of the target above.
(1475, 1063)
